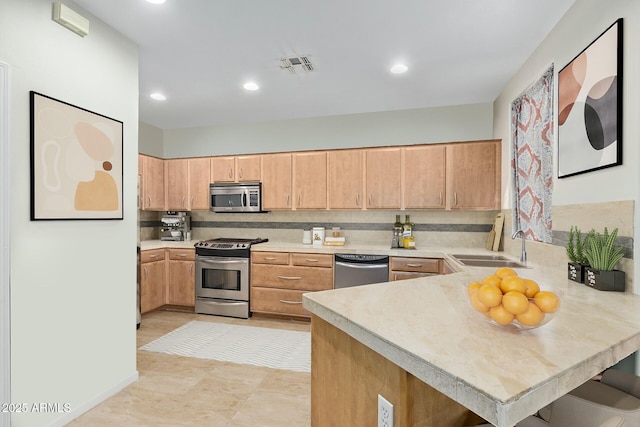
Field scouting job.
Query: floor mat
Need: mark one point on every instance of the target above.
(271, 348)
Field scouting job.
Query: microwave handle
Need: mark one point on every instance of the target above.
(244, 199)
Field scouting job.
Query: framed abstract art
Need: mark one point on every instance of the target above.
(76, 162)
(590, 106)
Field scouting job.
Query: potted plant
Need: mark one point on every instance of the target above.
(603, 256)
(575, 251)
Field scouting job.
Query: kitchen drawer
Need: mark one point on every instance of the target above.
(278, 301)
(270, 258)
(312, 260)
(423, 265)
(182, 254)
(286, 277)
(403, 275)
(152, 255)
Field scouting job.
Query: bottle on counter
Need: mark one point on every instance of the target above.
(397, 233)
(408, 240)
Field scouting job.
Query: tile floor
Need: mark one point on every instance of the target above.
(184, 391)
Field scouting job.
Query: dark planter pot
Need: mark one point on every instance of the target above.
(604, 280)
(575, 272)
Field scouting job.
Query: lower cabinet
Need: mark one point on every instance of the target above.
(278, 280)
(401, 268)
(181, 283)
(167, 278)
(152, 279)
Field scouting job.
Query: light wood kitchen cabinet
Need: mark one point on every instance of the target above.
(424, 177)
(152, 279)
(401, 268)
(345, 169)
(383, 172)
(181, 280)
(276, 181)
(278, 280)
(177, 184)
(235, 168)
(199, 180)
(310, 180)
(473, 175)
(153, 184)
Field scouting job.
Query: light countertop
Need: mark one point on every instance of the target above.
(426, 327)
(163, 244)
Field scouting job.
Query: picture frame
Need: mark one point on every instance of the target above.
(590, 106)
(76, 162)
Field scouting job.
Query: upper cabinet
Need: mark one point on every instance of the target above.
(310, 180)
(473, 175)
(276, 181)
(424, 177)
(383, 181)
(235, 168)
(152, 186)
(199, 180)
(177, 184)
(345, 169)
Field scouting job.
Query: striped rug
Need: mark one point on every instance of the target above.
(271, 348)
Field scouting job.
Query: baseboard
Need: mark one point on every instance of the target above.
(92, 403)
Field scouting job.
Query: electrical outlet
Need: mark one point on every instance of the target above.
(385, 412)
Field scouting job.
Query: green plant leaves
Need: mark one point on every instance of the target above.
(600, 250)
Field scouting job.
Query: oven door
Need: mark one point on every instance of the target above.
(222, 277)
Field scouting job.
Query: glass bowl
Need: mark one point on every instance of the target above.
(533, 319)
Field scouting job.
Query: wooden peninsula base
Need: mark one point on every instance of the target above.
(347, 376)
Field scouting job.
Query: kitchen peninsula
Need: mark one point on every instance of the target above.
(418, 343)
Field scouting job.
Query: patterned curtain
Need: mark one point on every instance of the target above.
(532, 128)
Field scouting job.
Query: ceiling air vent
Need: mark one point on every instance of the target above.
(298, 63)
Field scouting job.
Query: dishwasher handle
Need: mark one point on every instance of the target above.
(361, 266)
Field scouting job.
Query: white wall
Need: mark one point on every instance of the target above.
(150, 140)
(72, 282)
(425, 125)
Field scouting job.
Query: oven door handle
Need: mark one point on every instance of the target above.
(224, 260)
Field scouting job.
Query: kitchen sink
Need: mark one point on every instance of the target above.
(491, 263)
(487, 261)
(481, 257)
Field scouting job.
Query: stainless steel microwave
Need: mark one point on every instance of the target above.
(236, 197)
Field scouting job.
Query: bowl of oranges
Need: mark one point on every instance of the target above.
(511, 301)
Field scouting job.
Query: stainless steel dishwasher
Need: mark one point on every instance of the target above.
(356, 270)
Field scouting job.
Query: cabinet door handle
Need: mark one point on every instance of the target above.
(240, 173)
(289, 277)
(182, 255)
(299, 199)
(414, 265)
(270, 258)
(154, 256)
(284, 301)
(441, 198)
(370, 198)
(190, 269)
(149, 201)
(455, 198)
(358, 199)
(311, 260)
(230, 172)
(183, 200)
(146, 273)
(287, 200)
(191, 201)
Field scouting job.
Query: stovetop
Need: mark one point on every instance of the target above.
(226, 243)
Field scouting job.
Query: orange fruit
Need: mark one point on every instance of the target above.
(489, 295)
(503, 272)
(500, 315)
(532, 288)
(513, 283)
(477, 305)
(515, 302)
(547, 301)
(532, 317)
(492, 280)
(473, 288)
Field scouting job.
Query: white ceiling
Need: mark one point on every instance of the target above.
(200, 53)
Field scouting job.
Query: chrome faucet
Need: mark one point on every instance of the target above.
(523, 255)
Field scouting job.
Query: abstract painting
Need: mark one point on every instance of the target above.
(590, 107)
(532, 128)
(76, 162)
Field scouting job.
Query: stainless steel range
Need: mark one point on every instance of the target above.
(222, 276)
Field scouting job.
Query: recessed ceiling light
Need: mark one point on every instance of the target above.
(251, 86)
(156, 1)
(158, 96)
(399, 69)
